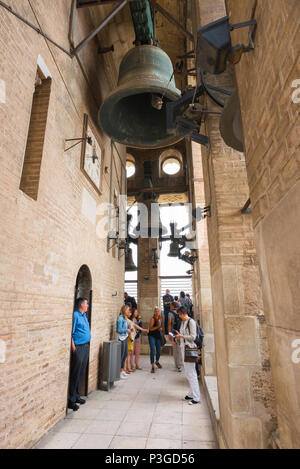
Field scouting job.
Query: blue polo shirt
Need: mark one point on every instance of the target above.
(81, 328)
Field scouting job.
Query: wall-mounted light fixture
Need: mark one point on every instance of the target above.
(214, 47)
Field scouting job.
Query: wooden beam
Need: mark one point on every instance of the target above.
(98, 29)
(158, 190)
(172, 20)
(92, 3)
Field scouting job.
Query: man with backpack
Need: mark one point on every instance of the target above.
(167, 300)
(174, 322)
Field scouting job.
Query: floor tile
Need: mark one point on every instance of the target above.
(83, 412)
(58, 441)
(145, 416)
(111, 414)
(136, 429)
(199, 445)
(161, 443)
(120, 442)
(120, 405)
(164, 416)
(95, 404)
(198, 432)
(89, 441)
(71, 426)
(104, 427)
(190, 418)
(145, 411)
(166, 430)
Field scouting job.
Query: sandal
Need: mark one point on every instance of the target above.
(158, 365)
(138, 368)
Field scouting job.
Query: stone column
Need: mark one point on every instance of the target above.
(148, 277)
(202, 276)
(246, 396)
(268, 83)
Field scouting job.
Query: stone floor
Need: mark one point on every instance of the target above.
(147, 411)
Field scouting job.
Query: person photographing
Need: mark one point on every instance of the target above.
(174, 323)
(186, 336)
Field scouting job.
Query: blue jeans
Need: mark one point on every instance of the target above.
(154, 344)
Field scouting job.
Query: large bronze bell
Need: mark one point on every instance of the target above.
(129, 263)
(134, 114)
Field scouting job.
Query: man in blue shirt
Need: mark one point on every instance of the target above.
(81, 337)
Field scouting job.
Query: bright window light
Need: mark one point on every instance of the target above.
(130, 169)
(171, 166)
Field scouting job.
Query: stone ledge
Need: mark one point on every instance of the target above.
(210, 386)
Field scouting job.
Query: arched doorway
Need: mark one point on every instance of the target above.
(83, 289)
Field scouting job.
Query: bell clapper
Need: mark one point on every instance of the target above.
(157, 101)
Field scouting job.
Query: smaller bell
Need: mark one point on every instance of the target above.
(129, 263)
(173, 249)
(231, 127)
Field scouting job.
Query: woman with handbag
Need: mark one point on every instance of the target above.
(123, 331)
(132, 337)
(187, 335)
(154, 337)
(137, 320)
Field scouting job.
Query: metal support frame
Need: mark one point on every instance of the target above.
(38, 30)
(98, 28)
(246, 209)
(172, 20)
(79, 140)
(181, 125)
(122, 183)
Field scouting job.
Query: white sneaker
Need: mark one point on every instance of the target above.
(123, 375)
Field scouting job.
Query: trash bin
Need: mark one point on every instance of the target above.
(111, 364)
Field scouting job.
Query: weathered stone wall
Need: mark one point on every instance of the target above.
(45, 241)
(202, 275)
(246, 397)
(265, 79)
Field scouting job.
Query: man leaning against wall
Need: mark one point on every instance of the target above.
(81, 337)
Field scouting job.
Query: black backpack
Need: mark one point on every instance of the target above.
(199, 336)
(177, 321)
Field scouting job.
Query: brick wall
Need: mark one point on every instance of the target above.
(46, 241)
(272, 137)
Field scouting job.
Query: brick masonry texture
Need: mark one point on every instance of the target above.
(45, 241)
(240, 337)
(265, 77)
(272, 147)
